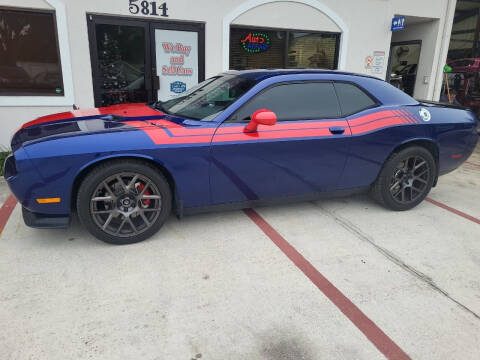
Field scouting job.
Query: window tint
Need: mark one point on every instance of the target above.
(29, 56)
(299, 101)
(352, 99)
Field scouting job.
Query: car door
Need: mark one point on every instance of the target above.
(302, 154)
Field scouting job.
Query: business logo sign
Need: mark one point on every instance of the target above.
(398, 23)
(178, 87)
(255, 42)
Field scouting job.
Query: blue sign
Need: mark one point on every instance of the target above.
(178, 87)
(398, 23)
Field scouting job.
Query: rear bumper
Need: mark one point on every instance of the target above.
(43, 221)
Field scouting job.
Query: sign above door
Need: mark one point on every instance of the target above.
(398, 23)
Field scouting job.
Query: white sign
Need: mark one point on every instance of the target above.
(177, 61)
(378, 62)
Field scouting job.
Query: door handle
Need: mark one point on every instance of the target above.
(337, 130)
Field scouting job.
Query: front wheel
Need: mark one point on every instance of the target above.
(406, 179)
(124, 201)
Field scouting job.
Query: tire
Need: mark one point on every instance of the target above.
(405, 179)
(124, 201)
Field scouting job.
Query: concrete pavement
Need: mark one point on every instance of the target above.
(215, 286)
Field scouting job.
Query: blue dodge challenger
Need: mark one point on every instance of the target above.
(236, 140)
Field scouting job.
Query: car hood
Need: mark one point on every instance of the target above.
(72, 123)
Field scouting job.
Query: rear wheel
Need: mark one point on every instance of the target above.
(124, 201)
(406, 179)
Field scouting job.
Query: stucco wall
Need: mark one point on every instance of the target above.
(273, 15)
(365, 26)
(34, 4)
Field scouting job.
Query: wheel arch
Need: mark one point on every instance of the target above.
(86, 169)
(426, 143)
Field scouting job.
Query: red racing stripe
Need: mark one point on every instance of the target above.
(409, 116)
(162, 131)
(159, 136)
(371, 117)
(307, 124)
(379, 124)
(401, 114)
(126, 110)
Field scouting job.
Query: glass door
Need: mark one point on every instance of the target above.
(179, 58)
(121, 64)
(141, 61)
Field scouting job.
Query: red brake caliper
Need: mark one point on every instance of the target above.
(145, 202)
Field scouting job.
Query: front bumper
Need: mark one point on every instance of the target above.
(43, 221)
(28, 185)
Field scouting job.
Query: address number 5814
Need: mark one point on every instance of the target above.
(147, 8)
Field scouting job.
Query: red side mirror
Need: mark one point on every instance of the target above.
(263, 117)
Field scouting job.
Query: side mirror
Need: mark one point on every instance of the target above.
(261, 117)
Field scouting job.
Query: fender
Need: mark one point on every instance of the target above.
(426, 142)
(83, 171)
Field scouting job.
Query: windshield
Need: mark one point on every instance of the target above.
(209, 98)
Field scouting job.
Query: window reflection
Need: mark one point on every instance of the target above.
(121, 62)
(29, 55)
(311, 50)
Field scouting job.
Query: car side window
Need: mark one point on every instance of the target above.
(352, 98)
(295, 101)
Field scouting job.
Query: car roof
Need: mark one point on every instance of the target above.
(262, 74)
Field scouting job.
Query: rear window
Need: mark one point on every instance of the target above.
(352, 98)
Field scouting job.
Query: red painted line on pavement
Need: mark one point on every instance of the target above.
(373, 333)
(471, 163)
(6, 211)
(452, 210)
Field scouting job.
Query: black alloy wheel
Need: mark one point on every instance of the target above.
(124, 202)
(410, 179)
(405, 179)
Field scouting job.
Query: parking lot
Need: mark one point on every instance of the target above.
(331, 279)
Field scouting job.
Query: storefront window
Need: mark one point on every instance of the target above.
(29, 54)
(257, 48)
(312, 50)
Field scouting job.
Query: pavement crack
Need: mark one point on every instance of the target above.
(350, 227)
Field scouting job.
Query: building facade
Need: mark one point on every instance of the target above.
(56, 54)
